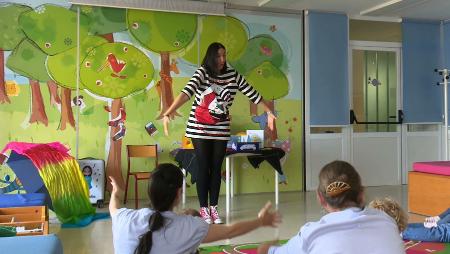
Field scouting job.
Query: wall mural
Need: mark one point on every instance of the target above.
(132, 65)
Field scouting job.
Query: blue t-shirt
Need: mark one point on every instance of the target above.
(181, 234)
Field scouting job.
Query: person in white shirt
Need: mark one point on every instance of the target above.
(348, 227)
(160, 230)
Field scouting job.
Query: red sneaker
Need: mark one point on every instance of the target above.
(215, 215)
(204, 213)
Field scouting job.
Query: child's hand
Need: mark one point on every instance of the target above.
(271, 120)
(268, 218)
(115, 187)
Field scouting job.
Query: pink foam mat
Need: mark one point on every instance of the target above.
(433, 167)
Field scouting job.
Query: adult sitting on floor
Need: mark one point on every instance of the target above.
(348, 227)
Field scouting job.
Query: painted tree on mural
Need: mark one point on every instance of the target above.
(104, 22)
(29, 61)
(62, 68)
(273, 84)
(10, 36)
(163, 33)
(261, 64)
(116, 70)
(54, 30)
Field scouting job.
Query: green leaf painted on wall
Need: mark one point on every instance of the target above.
(53, 28)
(62, 67)
(29, 61)
(259, 49)
(270, 82)
(162, 31)
(229, 31)
(10, 32)
(116, 70)
(104, 20)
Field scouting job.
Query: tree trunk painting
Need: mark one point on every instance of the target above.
(114, 163)
(165, 84)
(3, 95)
(271, 134)
(37, 105)
(66, 110)
(53, 90)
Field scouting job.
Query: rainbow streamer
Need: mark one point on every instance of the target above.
(63, 179)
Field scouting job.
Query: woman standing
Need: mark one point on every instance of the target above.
(214, 86)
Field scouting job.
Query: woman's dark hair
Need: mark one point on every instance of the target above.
(210, 60)
(162, 190)
(340, 185)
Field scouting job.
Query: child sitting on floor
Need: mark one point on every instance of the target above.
(159, 230)
(393, 209)
(433, 229)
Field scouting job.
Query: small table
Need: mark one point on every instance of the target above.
(229, 176)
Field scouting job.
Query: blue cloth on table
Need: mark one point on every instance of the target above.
(19, 200)
(37, 244)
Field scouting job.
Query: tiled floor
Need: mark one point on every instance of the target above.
(296, 208)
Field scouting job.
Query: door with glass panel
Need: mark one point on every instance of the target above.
(375, 138)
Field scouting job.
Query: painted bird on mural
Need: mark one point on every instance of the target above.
(116, 66)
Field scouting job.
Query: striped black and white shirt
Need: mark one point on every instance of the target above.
(209, 116)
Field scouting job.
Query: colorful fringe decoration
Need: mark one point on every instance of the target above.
(62, 177)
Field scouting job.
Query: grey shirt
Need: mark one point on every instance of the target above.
(181, 234)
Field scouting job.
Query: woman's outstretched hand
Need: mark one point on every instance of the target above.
(271, 120)
(166, 121)
(267, 217)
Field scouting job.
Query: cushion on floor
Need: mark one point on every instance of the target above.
(48, 244)
(433, 167)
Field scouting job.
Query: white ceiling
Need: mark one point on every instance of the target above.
(416, 9)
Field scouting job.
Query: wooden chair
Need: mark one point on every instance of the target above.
(139, 151)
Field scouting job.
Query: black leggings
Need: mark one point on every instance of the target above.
(210, 154)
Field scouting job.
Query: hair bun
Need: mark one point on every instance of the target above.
(335, 188)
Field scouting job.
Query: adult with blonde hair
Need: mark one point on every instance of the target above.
(348, 227)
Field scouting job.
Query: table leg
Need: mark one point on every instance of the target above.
(183, 201)
(227, 186)
(231, 177)
(276, 189)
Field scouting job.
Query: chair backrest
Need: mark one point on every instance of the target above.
(142, 151)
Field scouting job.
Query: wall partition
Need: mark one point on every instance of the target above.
(132, 63)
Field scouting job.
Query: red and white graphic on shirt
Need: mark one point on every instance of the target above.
(213, 107)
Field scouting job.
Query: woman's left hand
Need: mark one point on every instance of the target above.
(271, 120)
